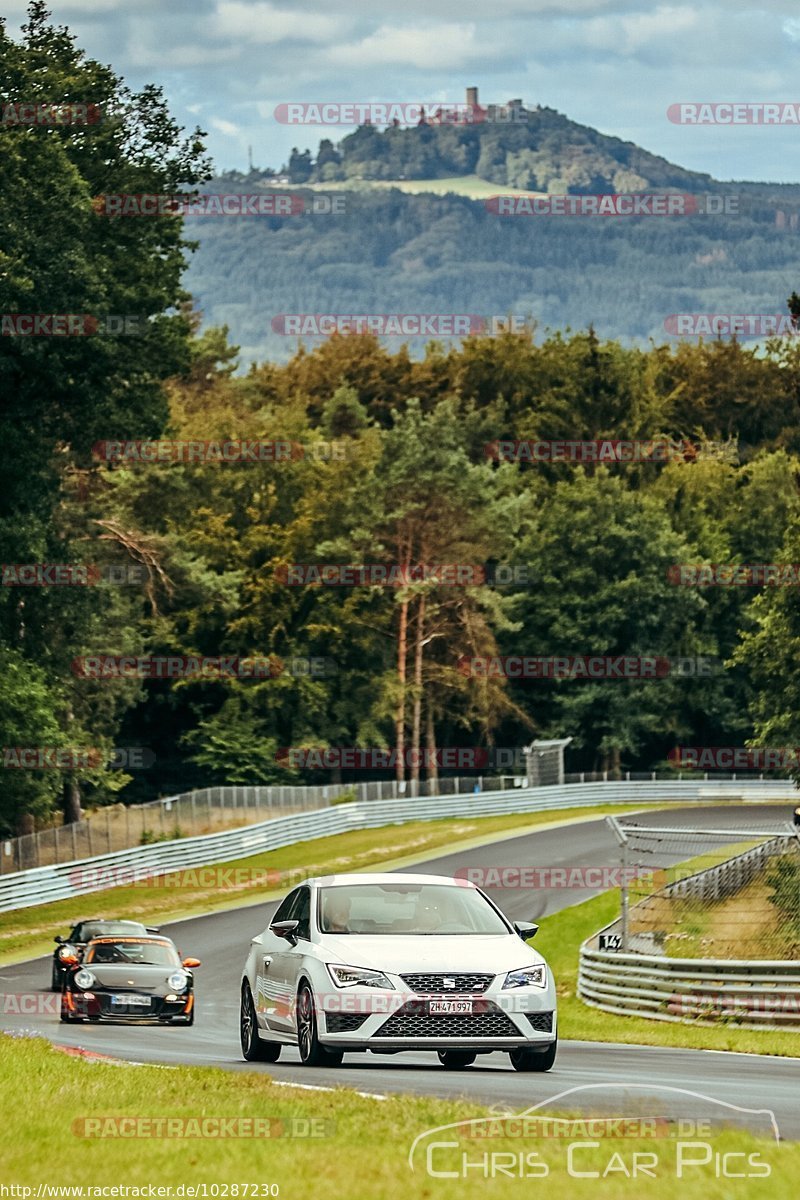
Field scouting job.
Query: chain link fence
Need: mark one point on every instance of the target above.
(121, 826)
(709, 894)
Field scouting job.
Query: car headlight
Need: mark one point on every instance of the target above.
(350, 976)
(67, 951)
(527, 977)
(178, 981)
(83, 979)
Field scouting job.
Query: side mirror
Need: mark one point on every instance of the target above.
(58, 938)
(285, 929)
(191, 962)
(526, 931)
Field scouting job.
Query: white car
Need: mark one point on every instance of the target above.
(396, 962)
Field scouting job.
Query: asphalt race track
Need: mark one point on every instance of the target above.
(622, 1080)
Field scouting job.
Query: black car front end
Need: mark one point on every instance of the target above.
(129, 980)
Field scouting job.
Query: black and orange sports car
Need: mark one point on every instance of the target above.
(74, 945)
(130, 979)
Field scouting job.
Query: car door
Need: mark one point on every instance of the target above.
(286, 961)
(268, 998)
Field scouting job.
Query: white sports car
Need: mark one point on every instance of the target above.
(396, 962)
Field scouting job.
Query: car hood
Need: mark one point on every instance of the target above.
(126, 975)
(400, 954)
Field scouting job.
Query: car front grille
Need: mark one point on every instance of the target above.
(435, 982)
(344, 1022)
(414, 1021)
(542, 1022)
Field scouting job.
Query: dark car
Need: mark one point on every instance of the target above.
(73, 946)
(130, 979)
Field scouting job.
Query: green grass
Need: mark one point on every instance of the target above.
(363, 1155)
(27, 932)
(559, 940)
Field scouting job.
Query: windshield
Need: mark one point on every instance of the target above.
(129, 950)
(93, 929)
(406, 908)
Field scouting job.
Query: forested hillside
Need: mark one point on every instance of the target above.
(394, 253)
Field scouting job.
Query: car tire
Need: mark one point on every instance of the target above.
(66, 1017)
(253, 1049)
(55, 979)
(456, 1060)
(534, 1060)
(312, 1052)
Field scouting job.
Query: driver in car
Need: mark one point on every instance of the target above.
(337, 912)
(429, 916)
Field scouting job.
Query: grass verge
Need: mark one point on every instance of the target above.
(362, 1155)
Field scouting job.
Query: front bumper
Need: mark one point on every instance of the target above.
(100, 1008)
(370, 1018)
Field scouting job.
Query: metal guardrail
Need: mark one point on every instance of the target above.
(66, 880)
(748, 993)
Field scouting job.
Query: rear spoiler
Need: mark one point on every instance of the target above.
(152, 929)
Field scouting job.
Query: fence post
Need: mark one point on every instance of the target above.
(624, 898)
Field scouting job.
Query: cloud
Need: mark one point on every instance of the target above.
(260, 23)
(223, 126)
(436, 48)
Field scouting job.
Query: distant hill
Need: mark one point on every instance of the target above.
(435, 247)
(540, 150)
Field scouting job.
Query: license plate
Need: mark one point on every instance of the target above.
(131, 1001)
(450, 1006)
